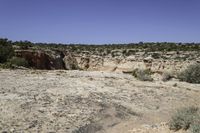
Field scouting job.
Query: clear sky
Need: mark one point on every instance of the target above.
(100, 21)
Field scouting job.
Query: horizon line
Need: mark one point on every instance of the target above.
(113, 43)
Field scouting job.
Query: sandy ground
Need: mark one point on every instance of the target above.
(89, 102)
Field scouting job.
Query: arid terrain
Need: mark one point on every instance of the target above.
(122, 88)
(89, 101)
(99, 66)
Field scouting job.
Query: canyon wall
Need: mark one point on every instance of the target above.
(156, 61)
(116, 61)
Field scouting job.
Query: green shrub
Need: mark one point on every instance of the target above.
(6, 50)
(184, 119)
(156, 55)
(195, 128)
(16, 61)
(6, 65)
(191, 74)
(143, 74)
(23, 44)
(166, 76)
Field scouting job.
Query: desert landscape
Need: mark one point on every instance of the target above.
(99, 66)
(88, 102)
(93, 92)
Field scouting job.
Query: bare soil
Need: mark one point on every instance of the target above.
(89, 102)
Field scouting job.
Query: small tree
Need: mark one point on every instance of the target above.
(6, 50)
(23, 44)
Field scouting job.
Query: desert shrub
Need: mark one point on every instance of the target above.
(6, 65)
(166, 76)
(6, 50)
(156, 55)
(184, 119)
(19, 62)
(23, 44)
(143, 74)
(191, 74)
(195, 128)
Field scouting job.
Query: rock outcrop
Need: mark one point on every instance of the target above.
(115, 61)
(40, 59)
(156, 61)
(70, 63)
(49, 60)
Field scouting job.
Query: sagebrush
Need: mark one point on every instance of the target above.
(191, 74)
(143, 74)
(166, 76)
(186, 118)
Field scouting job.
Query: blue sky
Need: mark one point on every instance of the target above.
(100, 21)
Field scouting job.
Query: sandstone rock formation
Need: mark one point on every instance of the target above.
(156, 61)
(49, 60)
(70, 62)
(41, 60)
(115, 61)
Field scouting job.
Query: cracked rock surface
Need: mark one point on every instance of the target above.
(88, 102)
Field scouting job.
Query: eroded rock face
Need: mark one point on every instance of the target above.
(70, 62)
(49, 60)
(84, 62)
(156, 61)
(39, 59)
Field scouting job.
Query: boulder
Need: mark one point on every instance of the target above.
(84, 62)
(70, 63)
